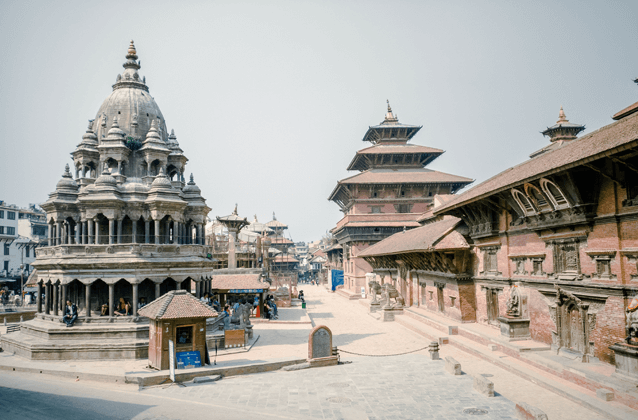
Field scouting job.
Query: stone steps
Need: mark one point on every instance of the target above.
(524, 363)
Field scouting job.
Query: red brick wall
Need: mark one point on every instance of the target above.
(610, 328)
(541, 324)
(467, 302)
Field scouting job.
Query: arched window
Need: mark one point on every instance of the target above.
(554, 194)
(523, 202)
(537, 197)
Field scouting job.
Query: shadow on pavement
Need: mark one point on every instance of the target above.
(21, 404)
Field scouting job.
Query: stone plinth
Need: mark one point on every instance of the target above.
(388, 315)
(626, 361)
(375, 306)
(515, 329)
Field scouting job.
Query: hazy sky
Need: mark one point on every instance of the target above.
(270, 99)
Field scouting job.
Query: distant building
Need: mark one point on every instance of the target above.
(21, 231)
(390, 192)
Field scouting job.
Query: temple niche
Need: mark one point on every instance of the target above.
(124, 226)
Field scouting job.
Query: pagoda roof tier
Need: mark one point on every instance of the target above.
(436, 236)
(391, 130)
(233, 221)
(378, 219)
(387, 154)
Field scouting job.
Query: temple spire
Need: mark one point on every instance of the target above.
(389, 116)
(563, 130)
(561, 116)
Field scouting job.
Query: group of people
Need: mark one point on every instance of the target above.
(211, 301)
(122, 307)
(270, 308)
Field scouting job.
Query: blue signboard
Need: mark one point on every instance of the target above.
(336, 279)
(245, 290)
(188, 359)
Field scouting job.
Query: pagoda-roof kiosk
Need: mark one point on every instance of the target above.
(180, 317)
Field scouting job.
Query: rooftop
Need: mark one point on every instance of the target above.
(177, 304)
(237, 281)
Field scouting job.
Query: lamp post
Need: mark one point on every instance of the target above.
(21, 284)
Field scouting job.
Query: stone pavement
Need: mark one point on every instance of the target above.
(409, 386)
(403, 387)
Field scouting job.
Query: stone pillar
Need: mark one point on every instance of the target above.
(88, 300)
(77, 233)
(134, 231)
(38, 299)
(178, 285)
(58, 233)
(167, 236)
(176, 236)
(198, 289)
(157, 290)
(157, 231)
(89, 237)
(47, 298)
(135, 299)
(97, 231)
(63, 290)
(111, 226)
(50, 233)
(55, 302)
(119, 231)
(232, 258)
(111, 298)
(147, 232)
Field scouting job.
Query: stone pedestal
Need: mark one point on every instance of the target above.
(375, 306)
(514, 329)
(626, 361)
(249, 332)
(388, 315)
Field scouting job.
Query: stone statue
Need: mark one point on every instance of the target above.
(244, 314)
(375, 289)
(514, 303)
(632, 320)
(391, 292)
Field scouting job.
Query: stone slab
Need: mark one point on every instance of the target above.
(452, 366)
(626, 356)
(483, 385)
(605, 394)
(515, 329)
(388, 316)
(205, 379)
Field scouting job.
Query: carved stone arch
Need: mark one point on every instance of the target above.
(554, 193)
(539, 199)
(524, 202)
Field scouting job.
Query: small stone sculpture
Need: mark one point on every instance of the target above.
(632, 320)
(391, 292)
(514, 303)
(375, 289)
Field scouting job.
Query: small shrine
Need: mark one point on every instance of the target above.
(626, 354)
(179, 317)
(515, 323)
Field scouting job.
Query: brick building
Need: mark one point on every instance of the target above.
(562, 227)
(392, 189)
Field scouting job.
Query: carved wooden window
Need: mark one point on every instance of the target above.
(375, 209)
(538, 197)
(631, 181)
(490, 261)
(403, 208)
(537, 267)
(524, 203)
(554, 194)
(603, 268)
(519, 264)
(567, 258)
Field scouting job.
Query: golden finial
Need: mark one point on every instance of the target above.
(131, 48)
(561, 116)
(235, 211)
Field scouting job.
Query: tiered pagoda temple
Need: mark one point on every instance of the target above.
(392, 189)
(127, 227)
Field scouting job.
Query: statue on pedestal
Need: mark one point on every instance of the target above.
(514, 303)
(632, 321)
(375, 289)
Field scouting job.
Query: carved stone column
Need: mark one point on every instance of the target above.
(63, 290)
(111, 298)
(157, 290)
(147, 232)
(55, 298)
(50, 233)
(58, 240)
(119, 231)
(157, 232)
(97, 230)
(134, 231)
(88, 300)
(111, 226)
(47, 298)
(135, 299)
(176, 237)
(39, 297)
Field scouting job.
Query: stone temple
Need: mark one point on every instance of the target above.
(127, 225)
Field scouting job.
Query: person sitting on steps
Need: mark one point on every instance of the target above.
(70, 313)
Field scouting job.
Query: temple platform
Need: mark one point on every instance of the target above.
(94, 338)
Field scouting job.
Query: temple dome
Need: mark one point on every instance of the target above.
(131, 103)
(106, 179)
(191, 187)
(67, 181)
